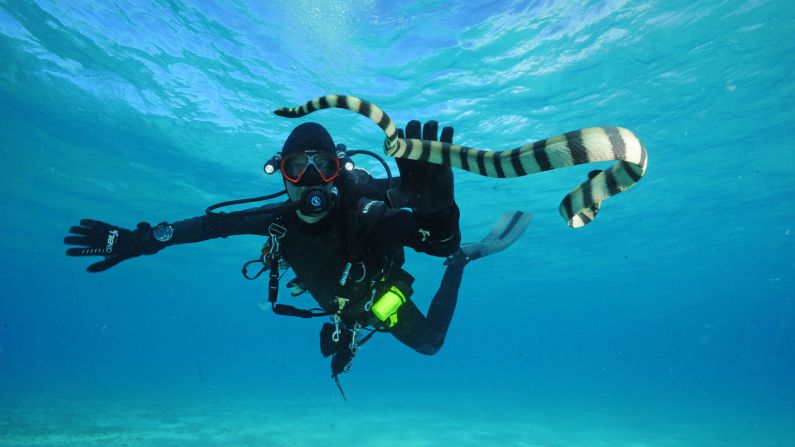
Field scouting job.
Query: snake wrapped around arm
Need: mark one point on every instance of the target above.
(593, 144)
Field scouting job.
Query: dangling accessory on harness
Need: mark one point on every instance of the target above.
(342, 346)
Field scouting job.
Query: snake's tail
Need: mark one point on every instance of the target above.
(594, 144)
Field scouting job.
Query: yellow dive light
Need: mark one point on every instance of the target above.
(387, 306)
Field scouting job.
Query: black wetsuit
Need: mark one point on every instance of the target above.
(369, 235)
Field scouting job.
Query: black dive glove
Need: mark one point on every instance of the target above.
(95, 238)
(426, 188)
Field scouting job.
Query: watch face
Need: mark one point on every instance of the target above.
(163, 232)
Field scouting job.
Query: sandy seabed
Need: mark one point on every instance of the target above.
(406, 422)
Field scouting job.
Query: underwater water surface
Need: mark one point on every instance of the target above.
(668, 321)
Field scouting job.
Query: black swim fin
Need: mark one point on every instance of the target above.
(506, 231)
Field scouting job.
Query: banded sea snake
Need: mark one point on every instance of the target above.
(593, 144)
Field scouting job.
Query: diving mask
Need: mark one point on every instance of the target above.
(294, 166)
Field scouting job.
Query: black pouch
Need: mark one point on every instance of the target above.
(341, 361)
(327, 344)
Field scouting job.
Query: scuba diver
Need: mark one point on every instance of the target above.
(342, 232)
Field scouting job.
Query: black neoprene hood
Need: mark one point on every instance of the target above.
(309, 136)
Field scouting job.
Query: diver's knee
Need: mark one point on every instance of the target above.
(431, 347)
(444, 231)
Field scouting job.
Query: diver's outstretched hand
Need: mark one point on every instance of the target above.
(425, 187)
(115, 244)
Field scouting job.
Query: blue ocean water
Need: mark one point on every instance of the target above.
(668, 321)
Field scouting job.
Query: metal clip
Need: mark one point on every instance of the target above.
(276, 230)
(425, 234)
(368, 305)
(335, 336)
(353, 345)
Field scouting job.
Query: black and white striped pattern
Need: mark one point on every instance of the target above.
(593, 144)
